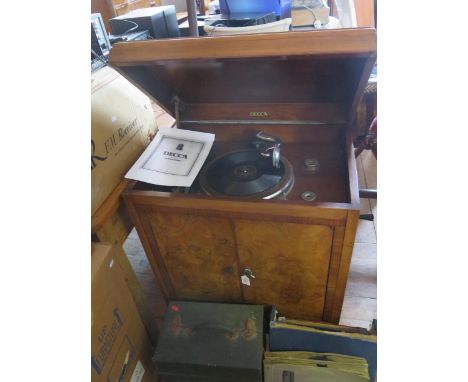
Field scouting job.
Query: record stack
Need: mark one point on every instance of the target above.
(296, 366)
(355, 347)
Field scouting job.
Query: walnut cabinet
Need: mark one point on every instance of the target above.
(302, 87)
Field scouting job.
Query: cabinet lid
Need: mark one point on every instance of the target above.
(315, 74)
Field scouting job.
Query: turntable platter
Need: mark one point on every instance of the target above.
(246, 174)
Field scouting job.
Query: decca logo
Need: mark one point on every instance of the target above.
(258, 114)
(177, 155)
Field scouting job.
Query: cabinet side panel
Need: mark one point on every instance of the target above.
(345, 262)
(333, 274)
(199, 255)
(290, 263)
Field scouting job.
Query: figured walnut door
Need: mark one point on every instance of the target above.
(290, 263)
(198, 254)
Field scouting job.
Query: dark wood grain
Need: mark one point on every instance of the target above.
(330, 182)
(292, 67)
(320, 112)
(354, 42)
(308, 80)
(363, 81)
(242, 133)
(306, 86)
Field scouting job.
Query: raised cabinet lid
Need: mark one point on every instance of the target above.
(290, 76)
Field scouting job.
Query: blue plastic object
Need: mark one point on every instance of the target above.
(282, 8)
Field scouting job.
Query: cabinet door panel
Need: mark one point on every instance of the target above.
(199, 255)
(290, 263)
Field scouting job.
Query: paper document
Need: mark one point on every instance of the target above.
(173, 158)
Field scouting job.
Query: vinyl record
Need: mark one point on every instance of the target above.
(246, 174)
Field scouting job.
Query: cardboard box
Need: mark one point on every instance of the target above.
(120, 348)
(122, 123)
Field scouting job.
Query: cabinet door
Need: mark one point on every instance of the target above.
(290, 263)
(198, 254)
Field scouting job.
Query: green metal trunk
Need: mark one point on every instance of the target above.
(211, 342)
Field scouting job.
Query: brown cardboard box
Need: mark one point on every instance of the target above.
(120, 347)
(122, 121)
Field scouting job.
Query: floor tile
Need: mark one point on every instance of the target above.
(140, 265)
(148, 282)
(365, 206)
(365, 232)
(373, 204)
(144, 273)
(360, 171)
(359, 308)
(365, 250)
(133, 245)
(369, 165)
(362, 278)
(360, 303)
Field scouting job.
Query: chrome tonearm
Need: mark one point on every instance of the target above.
(269, 146)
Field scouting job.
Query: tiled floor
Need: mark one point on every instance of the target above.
(137, 257)
(360, 303)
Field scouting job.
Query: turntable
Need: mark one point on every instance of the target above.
(260, 173)
(272, 217)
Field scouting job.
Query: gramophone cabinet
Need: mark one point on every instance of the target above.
(292, 251)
